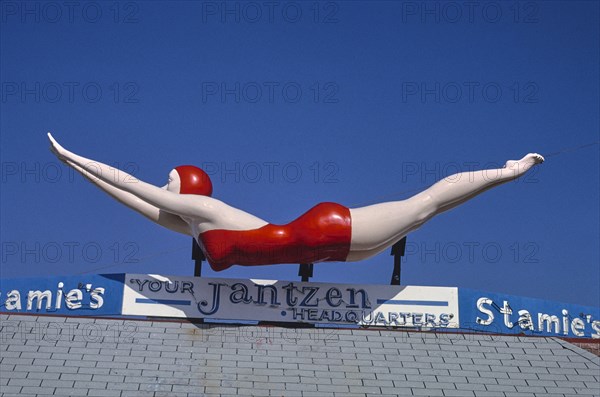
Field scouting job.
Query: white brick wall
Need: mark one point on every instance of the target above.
(43, 355)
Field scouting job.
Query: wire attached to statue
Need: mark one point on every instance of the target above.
(571, 149)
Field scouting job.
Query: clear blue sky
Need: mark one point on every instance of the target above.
(353, 102)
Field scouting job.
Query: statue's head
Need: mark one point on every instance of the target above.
(187, 179)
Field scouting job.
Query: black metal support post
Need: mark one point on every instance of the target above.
(305, 271)
(398, 252)
(198, 257)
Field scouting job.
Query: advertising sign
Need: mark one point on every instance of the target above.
(290, 301)
(506, 314)
(301, 302)
(85, 295)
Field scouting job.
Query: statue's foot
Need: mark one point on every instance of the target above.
(534, 158)
(531, 158)
(525, 163)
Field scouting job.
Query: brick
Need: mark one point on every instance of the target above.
(17, 361)
(10, 354)
(416, 364)
(284, 379)
(524, 375)
(7, 390)
(57, 383)
(137, 366)
(573, 384)
(462, 373)
(365, 389)
(404, 371)
(483, 381)
(459, 393)
(24, 382)
(494, 375)
(139, 393)
(512, 382)
(580, 378)
(103, 393)
(440, 385)
(421, 378)
(563, 390)
(66, 392)
(446, 366)
(74, 377)
(507, 368)
(501, 388)
(542, 383)
(428, 392)
(36, 375)
(108, 378)
(459, 360)
(52, 369)
(178, 389)
(21, 348)
(534, 370)
(89, 385)
(530, 389)
(386, 391)
(581, 365)
(39, 391)
(346, 381)
(23, 375)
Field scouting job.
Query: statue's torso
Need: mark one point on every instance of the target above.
(321, 234)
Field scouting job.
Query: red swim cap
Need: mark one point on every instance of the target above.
(194, 180)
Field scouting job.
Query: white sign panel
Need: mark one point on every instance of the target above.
(290, 301)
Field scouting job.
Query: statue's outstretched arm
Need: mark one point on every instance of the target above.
(165, 219)
(182, 205)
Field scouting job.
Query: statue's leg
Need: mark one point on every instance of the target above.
(376, 227)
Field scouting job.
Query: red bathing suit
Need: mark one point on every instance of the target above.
(321, 234)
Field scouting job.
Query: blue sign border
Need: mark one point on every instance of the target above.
(83, 295)
(495, 313)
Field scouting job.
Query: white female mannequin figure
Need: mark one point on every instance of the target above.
(327, 232)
